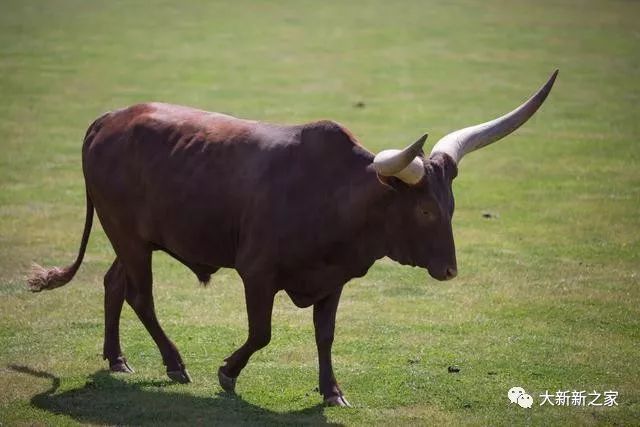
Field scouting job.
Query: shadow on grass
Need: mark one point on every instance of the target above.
(106, 399)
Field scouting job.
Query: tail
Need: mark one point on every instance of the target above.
(50, 278)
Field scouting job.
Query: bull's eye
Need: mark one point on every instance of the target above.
(427, 212)
(428, 215)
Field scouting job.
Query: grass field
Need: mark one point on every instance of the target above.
(548, 293)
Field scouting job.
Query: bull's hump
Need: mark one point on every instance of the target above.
(333, 140)
(332, 128)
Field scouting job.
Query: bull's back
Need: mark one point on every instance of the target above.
(213, 189)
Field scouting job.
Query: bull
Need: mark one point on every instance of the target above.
(301, 209)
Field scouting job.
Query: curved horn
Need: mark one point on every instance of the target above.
(403, 164)
(458, 143)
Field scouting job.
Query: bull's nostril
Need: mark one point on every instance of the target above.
(451, 272)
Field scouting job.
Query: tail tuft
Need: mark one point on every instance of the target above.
(41, 278)
(50, 278)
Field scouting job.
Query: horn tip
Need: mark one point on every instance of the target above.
(419, 142)
(549, 84)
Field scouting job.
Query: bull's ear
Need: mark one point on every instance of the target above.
(446, 163)
(394, 183)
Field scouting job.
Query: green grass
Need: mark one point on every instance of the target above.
(547, 297)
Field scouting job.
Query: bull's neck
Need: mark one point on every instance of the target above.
(376, 197)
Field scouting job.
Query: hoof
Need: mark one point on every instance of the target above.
(228, 384)
(121, 365)
(337, 401)
(180, 376)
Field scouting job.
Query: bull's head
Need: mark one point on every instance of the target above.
(423, 203)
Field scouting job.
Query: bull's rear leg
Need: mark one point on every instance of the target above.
(259, 307)
(324, 322)
(138, 294)
(114, 286)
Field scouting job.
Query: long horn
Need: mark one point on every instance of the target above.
(458, 143)
(404, 164)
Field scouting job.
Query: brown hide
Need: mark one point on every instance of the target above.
(298, 204)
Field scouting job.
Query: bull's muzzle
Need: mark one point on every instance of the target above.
(450, 273)
(443, 273)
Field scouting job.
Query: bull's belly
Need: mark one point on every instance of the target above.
(197, 236)
(201, 248)
(203, 237)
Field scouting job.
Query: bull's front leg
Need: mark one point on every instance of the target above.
(259, 299)
(324, 321)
